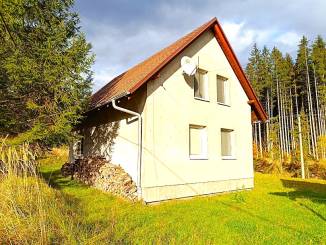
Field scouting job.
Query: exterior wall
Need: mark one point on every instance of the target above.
(116, 141)
(167, 171)
(114, 135)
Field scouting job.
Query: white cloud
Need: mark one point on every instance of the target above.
(103, 75)
(124, 33)
(239, 37)
(288, 38)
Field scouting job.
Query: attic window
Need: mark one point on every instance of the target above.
(223, 93)
(201, 85)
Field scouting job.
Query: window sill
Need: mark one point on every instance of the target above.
(201, 99)
(229, 158)
(198, 157)
(223, 104)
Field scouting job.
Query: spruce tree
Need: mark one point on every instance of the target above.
(318, 57)
(301, 71)
(252, 70)
(45, 76)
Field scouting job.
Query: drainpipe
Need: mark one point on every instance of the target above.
(115, 106)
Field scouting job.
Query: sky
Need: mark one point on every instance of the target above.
(125, 32)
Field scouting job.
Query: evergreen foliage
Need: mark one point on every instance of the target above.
(291, 91)
(45, 76)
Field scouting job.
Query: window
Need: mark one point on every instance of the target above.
(201, 85)
(79, 148)
(227, 143)
(222, 90)
(197, 142)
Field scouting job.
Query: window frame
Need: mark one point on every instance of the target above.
(205, 73)
(232, 156)
(226, 90)
(79, 148)
(203, 142)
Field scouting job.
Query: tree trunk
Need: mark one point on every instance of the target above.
(300, 136)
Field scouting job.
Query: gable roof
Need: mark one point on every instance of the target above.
(129, 81)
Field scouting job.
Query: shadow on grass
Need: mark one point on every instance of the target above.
(54, 178)
(252, 213)
(99, 230)
(315, 192)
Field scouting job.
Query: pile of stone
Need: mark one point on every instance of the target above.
(98, 172)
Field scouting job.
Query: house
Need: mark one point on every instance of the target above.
(178, 135)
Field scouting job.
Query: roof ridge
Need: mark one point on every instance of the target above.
(129, 81)
(99, 97)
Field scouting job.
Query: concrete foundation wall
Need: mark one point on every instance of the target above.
(160, 193)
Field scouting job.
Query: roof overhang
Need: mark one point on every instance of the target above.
(235, 64)
(228, 52)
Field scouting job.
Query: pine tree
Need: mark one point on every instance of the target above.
(45, 76)
(294, 98)
(252, 70)
(303, 79)
(318, 57)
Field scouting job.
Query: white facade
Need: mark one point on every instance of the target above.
(169, 109)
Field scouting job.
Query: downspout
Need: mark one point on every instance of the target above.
(139, 155)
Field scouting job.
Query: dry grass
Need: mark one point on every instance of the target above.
(270, 162)
(277, 211)
(30, 211)
(60, 152)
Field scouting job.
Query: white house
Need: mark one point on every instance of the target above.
(178, 135)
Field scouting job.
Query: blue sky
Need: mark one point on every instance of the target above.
(125, 32)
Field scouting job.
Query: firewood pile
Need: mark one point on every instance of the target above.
(68, 169)
(87, 169)
(98, 172)
(114, 179)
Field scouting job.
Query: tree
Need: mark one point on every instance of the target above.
(318, 57)
(294, 98)
(45, 76)
(252, 69)
(303, 77)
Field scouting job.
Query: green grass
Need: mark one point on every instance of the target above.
(277, 211)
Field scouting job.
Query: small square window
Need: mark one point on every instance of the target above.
(79, 148)
(197, 142)
(223, 93)
(201, 85)
(227, 143)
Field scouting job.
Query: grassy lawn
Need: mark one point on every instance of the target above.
(278, 211)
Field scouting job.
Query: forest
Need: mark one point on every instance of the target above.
(293, 94)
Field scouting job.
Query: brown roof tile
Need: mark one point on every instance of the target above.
(132, 79)
(129, 80)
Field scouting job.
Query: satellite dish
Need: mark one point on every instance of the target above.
(188, 66)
